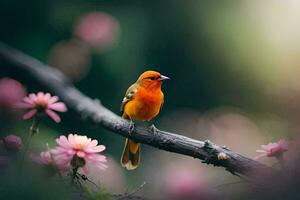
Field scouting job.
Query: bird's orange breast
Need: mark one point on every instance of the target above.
(145, 105)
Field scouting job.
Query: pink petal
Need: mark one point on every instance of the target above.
(47, 96)
(29, 114)
(40, 94)
(95, 149)
(96, 157)
(81, 154)
(58, 150)
(28, 100)
(63, 141)
(53, 99)
(32, 96)
(93, 143)
(60, 107)
(71, 139)
(63, 157)
(71, 152)
(283, 144)
(53, 115)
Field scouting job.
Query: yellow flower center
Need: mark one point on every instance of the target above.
(80, 142)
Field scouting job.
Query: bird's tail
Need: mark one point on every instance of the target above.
(131, 155)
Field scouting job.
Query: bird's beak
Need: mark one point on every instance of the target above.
(162, 77)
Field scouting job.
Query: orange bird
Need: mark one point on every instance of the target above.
(142, 101)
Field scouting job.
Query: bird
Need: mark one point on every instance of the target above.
(143, 101)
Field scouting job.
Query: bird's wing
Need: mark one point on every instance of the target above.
(129, 96)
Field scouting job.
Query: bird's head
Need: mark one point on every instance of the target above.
(151, 79)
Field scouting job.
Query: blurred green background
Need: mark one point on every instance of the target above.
(233, 68)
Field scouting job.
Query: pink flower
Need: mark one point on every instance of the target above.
(12, 142)
(97, 29)
(44, 158)
(79, 151)
(42, 103)
(11, 92)
(273, 149)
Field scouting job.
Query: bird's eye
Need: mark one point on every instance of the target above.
(152, 78)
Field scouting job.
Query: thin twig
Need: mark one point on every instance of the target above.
(32, 131)
(128, 195)
(85, 178)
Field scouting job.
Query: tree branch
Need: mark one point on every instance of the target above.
(13, 61)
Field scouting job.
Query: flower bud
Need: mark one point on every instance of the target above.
(12, 142)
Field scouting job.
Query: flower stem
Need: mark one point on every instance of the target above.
(76, 163)
(32, 131)
(74, 175)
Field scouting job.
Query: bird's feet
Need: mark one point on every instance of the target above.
(131, 127)
(153, 129)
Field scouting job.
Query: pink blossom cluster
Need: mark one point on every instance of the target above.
(11, 142)
(275, 149)
(73, 147)
(42, 103)
(44, 158)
